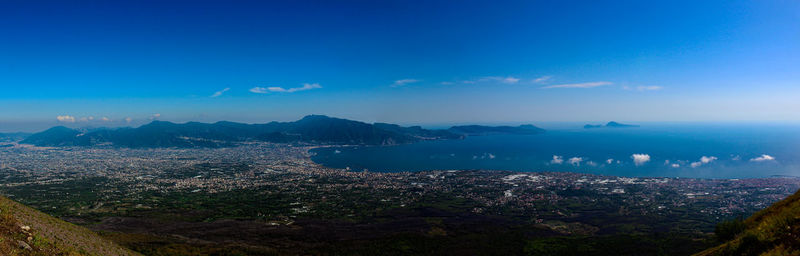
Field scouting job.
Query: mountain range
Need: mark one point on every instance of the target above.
(310, 129)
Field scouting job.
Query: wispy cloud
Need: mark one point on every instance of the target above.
(510, 80)
(507, 80)
(258, 90)
(649, 88)
(66, 119)
(643, 88)
(219, 93)
(403, 82)
(502, 79)
(763, 158)
(305, 87)
(578, 85)
(542, 79)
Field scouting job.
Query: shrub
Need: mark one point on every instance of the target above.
(729, 229)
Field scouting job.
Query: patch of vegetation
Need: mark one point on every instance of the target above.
(651, 244)
(772, 231)
(155, 245)
(729, 229)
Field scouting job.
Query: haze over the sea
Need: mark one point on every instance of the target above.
(665, 150)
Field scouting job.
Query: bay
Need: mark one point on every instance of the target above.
(662, 150)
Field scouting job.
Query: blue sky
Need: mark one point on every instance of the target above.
(409, 62)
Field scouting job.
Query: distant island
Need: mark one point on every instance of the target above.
(474, 130)
(611, 124)
(317, 129)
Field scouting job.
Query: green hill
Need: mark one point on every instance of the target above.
(25, 231)
(772, 231)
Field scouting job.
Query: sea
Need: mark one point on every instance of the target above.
(652, 150)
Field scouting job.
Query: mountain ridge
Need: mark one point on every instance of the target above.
(317, 129)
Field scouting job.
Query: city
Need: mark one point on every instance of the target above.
(116, 190)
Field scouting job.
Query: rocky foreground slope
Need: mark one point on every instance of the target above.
(25, 231)
(772, 231)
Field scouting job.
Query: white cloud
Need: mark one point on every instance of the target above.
(575, 161)
(507, 80)
(277, 89)
(542, 79)
(763, 158)
(403, 82)
(105, 119)
(258, 90)
(736, 158)
(155, 116)
(219, 93)
(708, 159)
(649, 88)
(610, 160)
(640, 159)
(86, 119)
(557, 160)
(591, 163)
(675, 165)
(578, 85)
(128, 119)
(305, 87)
(484, 156)
(66, 119)
(510, 80)
(703, 160)
(446, 83)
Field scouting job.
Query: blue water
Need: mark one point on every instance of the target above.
(731, 151)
